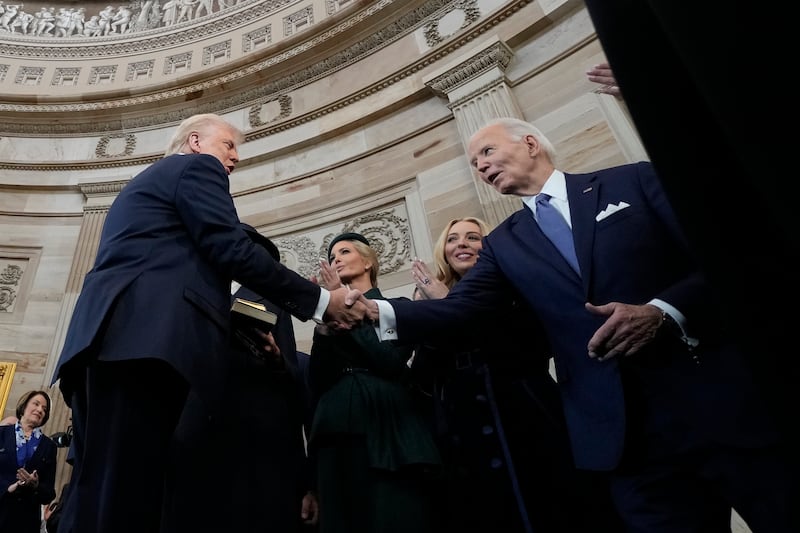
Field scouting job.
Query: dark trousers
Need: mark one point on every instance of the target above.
(123, 414)
(693, 492)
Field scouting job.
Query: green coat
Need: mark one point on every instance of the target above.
(362, 386)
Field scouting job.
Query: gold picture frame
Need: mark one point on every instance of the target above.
(7, 370)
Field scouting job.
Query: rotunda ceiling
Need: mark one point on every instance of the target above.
(158, 61)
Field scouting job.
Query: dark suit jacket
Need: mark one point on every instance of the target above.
(160, 286)
(678, 83)
(22, 510)
(273, 408)
(659, 399)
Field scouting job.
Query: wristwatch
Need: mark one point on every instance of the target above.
(668, 325)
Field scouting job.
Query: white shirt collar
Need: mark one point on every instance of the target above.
(555, 186)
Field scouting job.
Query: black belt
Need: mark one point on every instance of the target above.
(354, 370)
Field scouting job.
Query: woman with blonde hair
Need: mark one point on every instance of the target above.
(497, 414)
(375, 454)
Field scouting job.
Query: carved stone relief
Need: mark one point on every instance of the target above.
(140, 70)
(66, 76)
(271, 111)
(257, 38)
(179, 63)
(29, 75)
(216, 52)
(136, 16)
(102, 145)
(9, 281)
(387, 231)
(299, 20)
(102, 75)
(17, 268)
(465, 11)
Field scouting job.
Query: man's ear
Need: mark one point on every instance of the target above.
(194, 142)
(532, 143)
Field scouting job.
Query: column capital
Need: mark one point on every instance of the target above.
(483, 64)
(100, 194)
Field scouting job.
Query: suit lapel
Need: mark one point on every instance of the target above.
(583, 192)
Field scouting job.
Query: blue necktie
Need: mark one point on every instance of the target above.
(556, 229)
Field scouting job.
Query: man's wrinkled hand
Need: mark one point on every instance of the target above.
(627, 329)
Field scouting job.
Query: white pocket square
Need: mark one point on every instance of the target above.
(610, 210)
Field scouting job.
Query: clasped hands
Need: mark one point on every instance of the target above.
(347, 307)
(25, 479)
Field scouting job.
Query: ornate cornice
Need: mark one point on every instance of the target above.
(497, 55)
(103, 188)
(263, 92)
(13, 45)
(54, 166)
(266, 92)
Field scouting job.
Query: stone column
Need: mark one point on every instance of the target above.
(478, 91)
(99, 196)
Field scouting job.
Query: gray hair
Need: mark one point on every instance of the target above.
(518, 129)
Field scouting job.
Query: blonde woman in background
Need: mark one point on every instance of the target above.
(375, 454)
(498, 416)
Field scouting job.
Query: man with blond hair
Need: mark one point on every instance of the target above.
(152, 321)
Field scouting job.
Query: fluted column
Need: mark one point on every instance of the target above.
(99, 196)
(477, 91)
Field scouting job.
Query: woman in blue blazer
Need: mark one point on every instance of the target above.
(27, 466)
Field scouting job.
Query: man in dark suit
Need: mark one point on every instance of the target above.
(693, 100)
(655, 392)
(152, 321)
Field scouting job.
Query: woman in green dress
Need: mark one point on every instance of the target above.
(376, 457)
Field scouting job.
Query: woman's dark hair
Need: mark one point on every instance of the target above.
(23, 403)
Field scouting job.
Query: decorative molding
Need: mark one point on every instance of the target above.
(29, 75)
(382, 38)
(285, 105)
(265, 92)
(498, 55)
(216, 52)
(257, 38)
(94, 164)
(140, 69)
(9, 279)
(18, 265)
(179, 63)
(66, 76)
(101, 150)
(387, 230)
(103, 74)
(104, 188)
(138, 37)
(471, 14)
(142, 41)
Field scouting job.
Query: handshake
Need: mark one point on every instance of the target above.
(348, 308)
